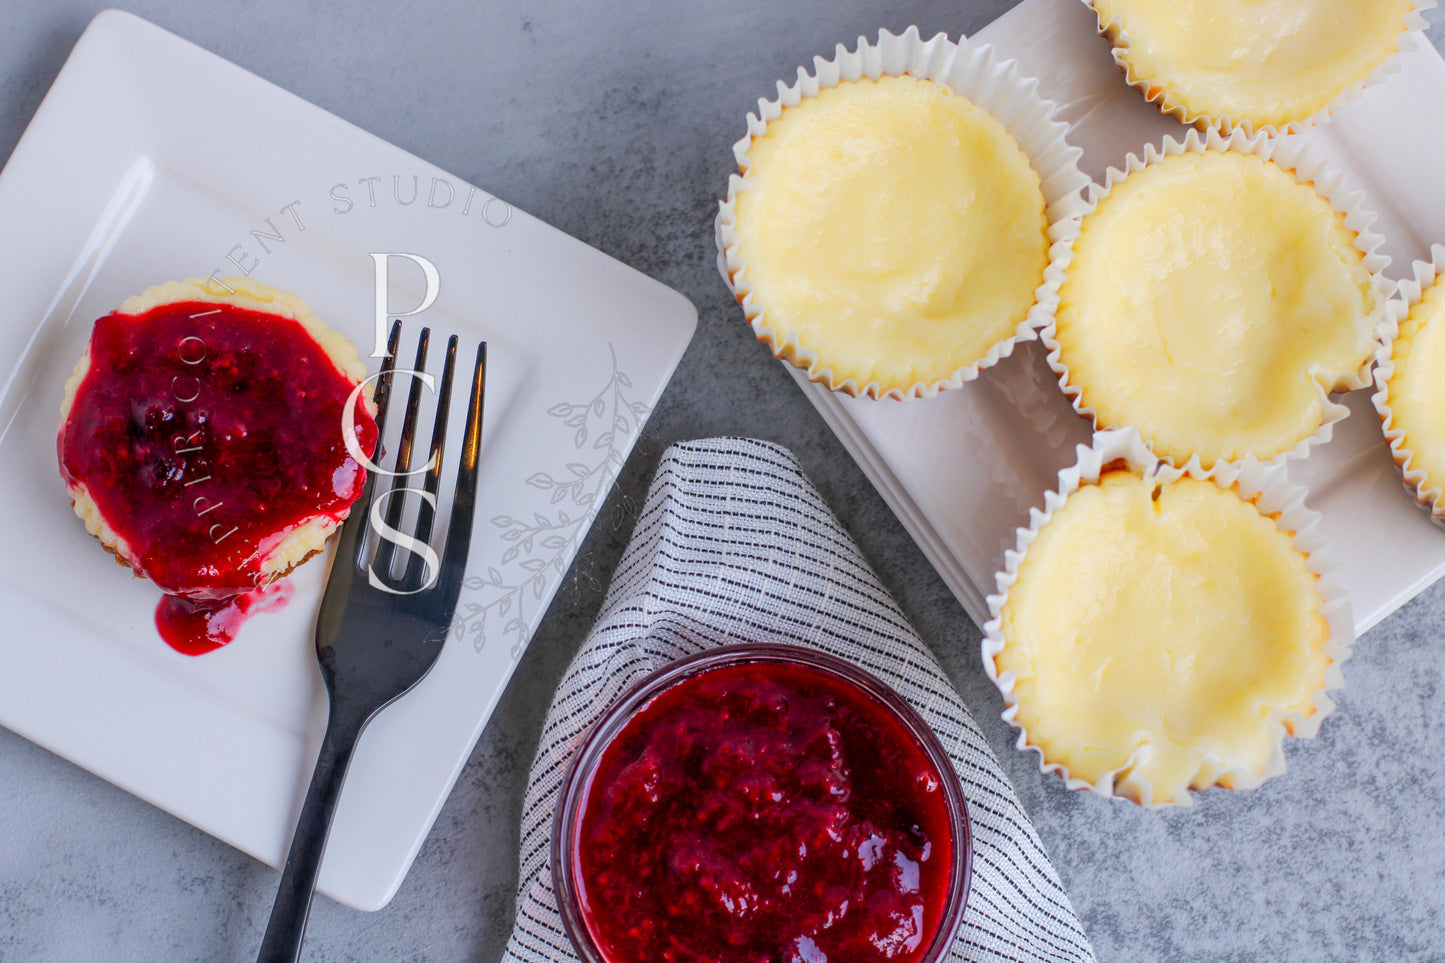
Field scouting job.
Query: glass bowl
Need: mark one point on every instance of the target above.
(839, 684)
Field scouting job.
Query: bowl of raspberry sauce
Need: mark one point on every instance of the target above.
(761, 804)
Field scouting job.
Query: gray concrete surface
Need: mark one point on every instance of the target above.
(613, 123)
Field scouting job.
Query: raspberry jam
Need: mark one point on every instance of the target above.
(198, 626)
(768, 811)
(205, 433)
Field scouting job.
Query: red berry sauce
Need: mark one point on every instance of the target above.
(205, 432)
(198, 626)
(763, 813)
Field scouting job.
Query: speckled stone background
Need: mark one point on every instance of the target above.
(614, 123)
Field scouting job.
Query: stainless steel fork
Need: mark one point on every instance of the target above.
(377, 633)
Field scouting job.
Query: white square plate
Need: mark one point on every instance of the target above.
(961, 470)
(153, 160)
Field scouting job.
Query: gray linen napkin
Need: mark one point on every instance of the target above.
(734, 544)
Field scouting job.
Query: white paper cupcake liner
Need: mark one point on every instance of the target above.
(1275, 497)
(1293, 156)
(1430, 497)
(972, 72)
(1114, 32)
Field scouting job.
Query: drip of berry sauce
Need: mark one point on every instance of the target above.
(198, 626)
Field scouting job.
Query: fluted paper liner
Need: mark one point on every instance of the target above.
(1428, 492)
(1294, 157)
(1159, 96)
(972, 72)
(1267, 488)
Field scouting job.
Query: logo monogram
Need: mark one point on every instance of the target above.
(405, 542)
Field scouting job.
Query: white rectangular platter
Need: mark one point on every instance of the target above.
(961, 470)
(153, 160)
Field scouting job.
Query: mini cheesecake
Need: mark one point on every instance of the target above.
(1256, 63)
(893, 230)
(1214, 302)
(1164, 636)
(1414, 399)
(202, 438)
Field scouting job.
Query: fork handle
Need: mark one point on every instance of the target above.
(282, 942)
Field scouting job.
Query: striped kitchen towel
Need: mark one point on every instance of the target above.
(734, 544)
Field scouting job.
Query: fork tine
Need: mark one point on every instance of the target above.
(426, 512)
(464, 502)
(351, 543)
(386, 552)
(383, 379)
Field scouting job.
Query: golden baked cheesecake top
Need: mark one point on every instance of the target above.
(892, 227)
(1267, 62)
(1415, 391)
(1156, 632)
(1213, 301)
